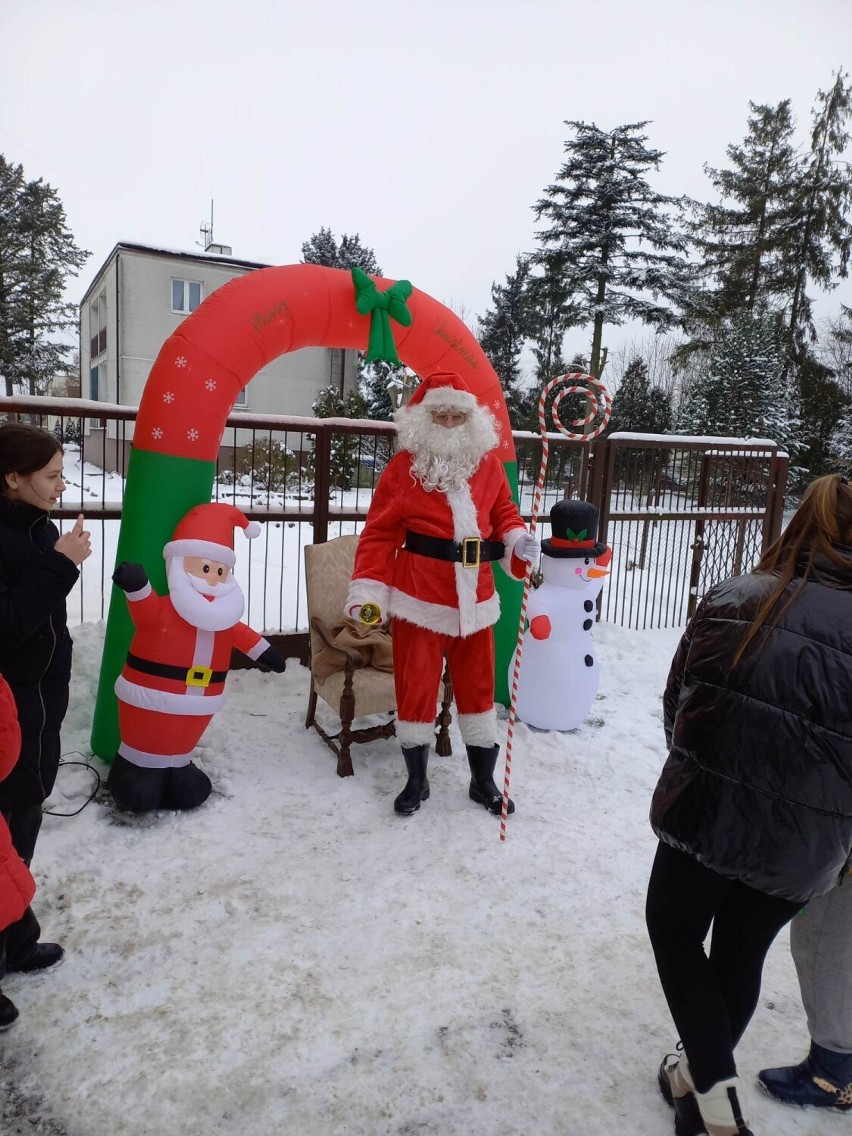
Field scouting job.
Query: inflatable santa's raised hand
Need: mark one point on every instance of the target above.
(173, 680)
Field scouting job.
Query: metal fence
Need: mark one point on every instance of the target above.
(682, 514)
(679, 514)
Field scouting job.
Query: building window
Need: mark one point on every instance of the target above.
(97, 381)
(241, 398)
(98, 325)
(186, 295)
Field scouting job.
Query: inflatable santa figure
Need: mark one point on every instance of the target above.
(559, 673)
(173, 680)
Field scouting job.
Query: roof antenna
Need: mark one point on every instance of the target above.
(207, 230)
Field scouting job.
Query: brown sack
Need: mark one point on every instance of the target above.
(373, 644)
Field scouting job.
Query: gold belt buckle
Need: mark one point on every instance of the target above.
(199, 676)
(466, 543)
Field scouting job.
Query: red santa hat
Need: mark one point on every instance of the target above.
(444, 389)
(208, 530)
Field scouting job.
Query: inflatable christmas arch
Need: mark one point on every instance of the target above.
(214, 353)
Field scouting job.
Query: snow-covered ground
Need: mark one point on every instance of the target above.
(294, 958)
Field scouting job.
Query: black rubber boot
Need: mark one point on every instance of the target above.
(482, 761)
(416, 787)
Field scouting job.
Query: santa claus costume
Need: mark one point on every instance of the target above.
(173, 680)
(442, 513)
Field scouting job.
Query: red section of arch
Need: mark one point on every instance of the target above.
(250, 321)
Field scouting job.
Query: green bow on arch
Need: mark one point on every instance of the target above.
(381, 307)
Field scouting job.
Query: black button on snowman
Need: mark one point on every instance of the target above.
(559, 674)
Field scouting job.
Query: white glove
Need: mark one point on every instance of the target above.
(528, 548)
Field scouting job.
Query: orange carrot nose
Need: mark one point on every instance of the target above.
(596, 573)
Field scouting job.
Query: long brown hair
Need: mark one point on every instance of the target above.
(24, 449)
(822, 521)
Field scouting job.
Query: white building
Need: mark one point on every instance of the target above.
(138, 298)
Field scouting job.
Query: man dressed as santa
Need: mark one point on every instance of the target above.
(442, 512)
(173, 680)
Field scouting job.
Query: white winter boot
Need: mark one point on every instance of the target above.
(720, 1110)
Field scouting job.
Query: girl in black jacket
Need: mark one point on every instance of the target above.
(753, 808)
(38, 568)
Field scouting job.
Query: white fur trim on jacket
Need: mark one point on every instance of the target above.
(465, 524)
(478, 729)
(443, 620)
(368, 591)
(165, 701)
(414, 733)
(510, 539)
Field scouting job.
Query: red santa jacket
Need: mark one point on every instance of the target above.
(173, 667)
(440, 595)
(17, 886)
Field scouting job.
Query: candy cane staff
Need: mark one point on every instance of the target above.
(441, 513)
(173, 680)
(600, 406)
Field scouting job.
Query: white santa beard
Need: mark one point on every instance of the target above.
(188, 597)
(445, 458)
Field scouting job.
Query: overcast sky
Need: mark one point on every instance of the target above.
(427, 127)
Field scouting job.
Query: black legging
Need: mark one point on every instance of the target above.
(711, 1000)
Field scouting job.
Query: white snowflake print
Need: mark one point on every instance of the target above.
(180, 361)
(169, 397)
(157, 433)
(210, 384)
(193, 435)
(505, 444)
(496, 403)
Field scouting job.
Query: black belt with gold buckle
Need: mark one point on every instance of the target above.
(470, 552)
(192, 676)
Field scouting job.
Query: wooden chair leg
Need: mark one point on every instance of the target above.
(312, 706)
(443, 745)
(347, 713)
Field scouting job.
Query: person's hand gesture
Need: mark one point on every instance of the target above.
(76, 544)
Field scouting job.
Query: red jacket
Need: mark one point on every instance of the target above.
(17, 887)
(164, 638)
(436, 594)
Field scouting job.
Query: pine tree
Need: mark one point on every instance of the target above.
(638, 406)
(503, 330)
(322, 248)
(37, 256)
(742, 239)
(821, 225)
(611, 243)
(742, 392)
(345, 448)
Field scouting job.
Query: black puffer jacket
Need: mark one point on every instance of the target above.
(758, 783)
(35, 647)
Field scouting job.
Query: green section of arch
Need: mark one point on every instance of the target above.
(160, 489)
(506, 629)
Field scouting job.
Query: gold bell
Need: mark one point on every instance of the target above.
(370, 614)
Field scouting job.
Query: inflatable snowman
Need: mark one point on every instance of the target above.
(559, 673)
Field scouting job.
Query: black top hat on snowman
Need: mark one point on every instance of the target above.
(573, 531)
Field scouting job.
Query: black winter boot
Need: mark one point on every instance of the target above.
(8, 1012)
(416, 787)
(482, 761)
(822, 1080)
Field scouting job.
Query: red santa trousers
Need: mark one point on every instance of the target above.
(418, 664)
